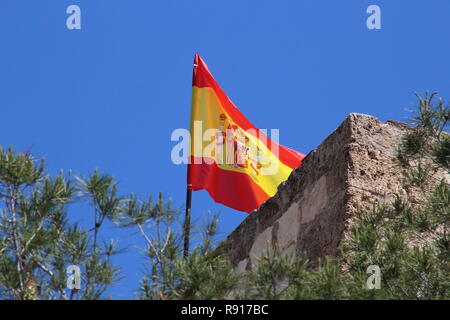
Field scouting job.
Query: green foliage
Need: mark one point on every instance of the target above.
(428, 138)
(274, 275)
(417, 176)
(412, 248)
(168, 274)
(414, 142)
(410, 245)
(38, 241)
(441, 152)
(203, 276)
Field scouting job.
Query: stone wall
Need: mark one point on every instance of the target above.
(351, 169)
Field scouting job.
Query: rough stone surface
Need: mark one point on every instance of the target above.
(351, 169)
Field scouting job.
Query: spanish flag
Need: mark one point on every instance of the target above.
(234, 161)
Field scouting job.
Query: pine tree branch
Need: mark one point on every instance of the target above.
(11, 201)
(51, 274)
(149, 242)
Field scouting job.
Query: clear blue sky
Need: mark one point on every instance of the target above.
(109, 95)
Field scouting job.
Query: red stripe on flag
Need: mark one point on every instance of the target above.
(225, 186)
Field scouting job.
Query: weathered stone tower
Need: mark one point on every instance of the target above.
(352, 168)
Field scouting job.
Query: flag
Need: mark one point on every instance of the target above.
(234, 161)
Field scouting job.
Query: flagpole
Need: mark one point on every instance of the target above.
(187, 222)
(187, 219)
